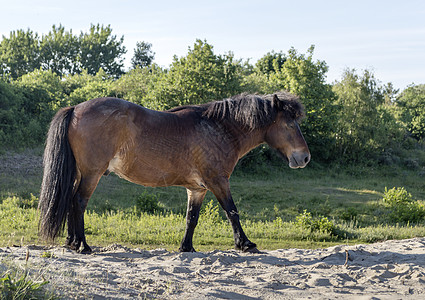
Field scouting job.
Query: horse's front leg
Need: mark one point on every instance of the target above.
(221, 189)
(194, 202)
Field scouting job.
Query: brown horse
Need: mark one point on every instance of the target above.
(192, 146)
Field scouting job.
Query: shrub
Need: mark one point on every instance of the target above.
(403, 208)
(396, 196)
(148, 203)
(349, 214)
(210, 214)
(28, 202)
(319, 224)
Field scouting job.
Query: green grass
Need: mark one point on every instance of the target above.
(18, 283)
(268, 202)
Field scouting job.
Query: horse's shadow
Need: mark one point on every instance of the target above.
(349, 258)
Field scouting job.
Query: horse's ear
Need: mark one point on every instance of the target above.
(276, 101)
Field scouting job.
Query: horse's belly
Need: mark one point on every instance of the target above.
(148, 174)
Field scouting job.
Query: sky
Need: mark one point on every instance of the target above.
(386, 37)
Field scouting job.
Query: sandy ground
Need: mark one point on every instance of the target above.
(388, 270)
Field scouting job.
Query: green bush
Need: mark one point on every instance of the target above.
(318, 224)
(88, 87)
(349, 214)
(396, 196)
(28, 202)
(411, 103)
(148, 203)
(403, 208)
(210, 214)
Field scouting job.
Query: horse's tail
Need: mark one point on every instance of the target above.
(59, 178)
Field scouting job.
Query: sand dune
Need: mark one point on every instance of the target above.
(387, 270)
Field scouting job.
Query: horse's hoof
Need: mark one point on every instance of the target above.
(85, 250)
(248, 247)
(252, 250)
(187, 250)
(67, 246)
(71, 247)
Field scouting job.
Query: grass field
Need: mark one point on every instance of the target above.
(279, 207)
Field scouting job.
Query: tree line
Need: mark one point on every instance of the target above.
(62, 52)
(356, 119)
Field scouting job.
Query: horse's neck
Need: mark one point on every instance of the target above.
(249, 140)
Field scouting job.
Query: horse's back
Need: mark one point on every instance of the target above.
(106, 107)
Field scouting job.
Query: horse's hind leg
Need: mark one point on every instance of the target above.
(194, 202)
(76, 235)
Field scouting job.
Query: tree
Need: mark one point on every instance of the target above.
(199, 77)
(62, 52)
(390, 94)
(9, 102)
(365, 125)
(59, 51)
(99, 49)
(272, 62)
(139, 86)
(143, 55)
(412, 104)
(19, 54)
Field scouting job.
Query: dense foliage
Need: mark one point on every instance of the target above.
(412, 108)
(354, 120)
(62, 52)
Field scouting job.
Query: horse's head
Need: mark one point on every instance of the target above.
(285, 135)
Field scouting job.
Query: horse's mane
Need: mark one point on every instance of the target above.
(254, 111)
(250, 111)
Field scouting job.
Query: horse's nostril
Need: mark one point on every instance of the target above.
(299, 159)
(307, 159)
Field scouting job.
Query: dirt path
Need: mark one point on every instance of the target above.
(388, 270)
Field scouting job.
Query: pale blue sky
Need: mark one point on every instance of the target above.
(386, 36)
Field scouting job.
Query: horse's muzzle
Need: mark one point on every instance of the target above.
(299, 159)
